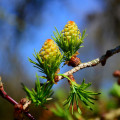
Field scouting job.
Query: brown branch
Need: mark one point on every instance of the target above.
(12, 101)
(93, 63)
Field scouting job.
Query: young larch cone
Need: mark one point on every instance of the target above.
(49, 50)
(71, 30)
(72, 33)
(51, 57)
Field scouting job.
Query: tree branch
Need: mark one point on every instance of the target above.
(93, 63)
(12, 101)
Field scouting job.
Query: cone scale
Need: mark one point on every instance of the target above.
(49, 50)
(71, 30)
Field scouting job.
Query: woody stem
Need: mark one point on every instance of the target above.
(12, 101)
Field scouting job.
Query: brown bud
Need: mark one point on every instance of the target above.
(23, 101)
(72, 78)
(18, 107)
(56, 79)
(58, 70)
(18, 114)
(74, 61)
(116, 73)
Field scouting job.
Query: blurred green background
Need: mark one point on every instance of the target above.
(26, 24)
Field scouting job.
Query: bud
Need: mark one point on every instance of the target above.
(56, 79)
(72, 79)
(116, 73)
(74, 61)
(18, 113)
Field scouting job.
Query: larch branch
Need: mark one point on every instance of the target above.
(12, 101)
(93, 63)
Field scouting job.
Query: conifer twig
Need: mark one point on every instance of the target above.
(93, 63)
(11, 100)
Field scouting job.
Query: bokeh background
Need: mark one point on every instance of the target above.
(26, 24)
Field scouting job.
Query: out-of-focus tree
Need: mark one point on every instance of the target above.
(106, 24)
(13, 24)
(103, 29)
